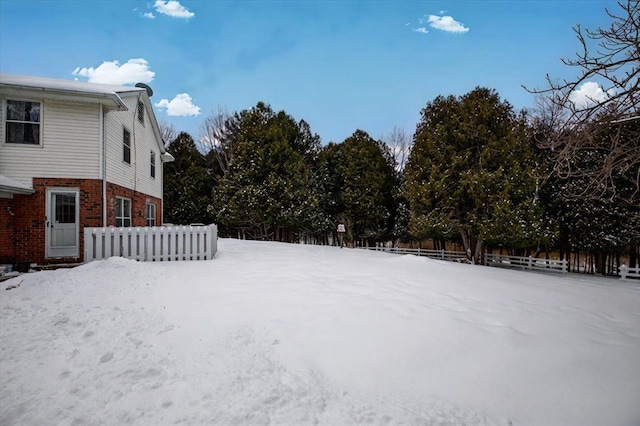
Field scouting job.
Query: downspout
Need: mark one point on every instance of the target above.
(104, 166)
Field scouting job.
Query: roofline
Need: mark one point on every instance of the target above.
(117, 100)
(48, 85)
(93, 91)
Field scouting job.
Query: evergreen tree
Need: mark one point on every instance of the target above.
(188, 184)
(471, 173)
(267, 190)
(603, 226)
(357, 181)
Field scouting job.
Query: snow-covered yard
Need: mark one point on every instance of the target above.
(274, 333)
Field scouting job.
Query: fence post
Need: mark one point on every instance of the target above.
(624, 270)
(88, 245)
(214, 237)
(530, 262)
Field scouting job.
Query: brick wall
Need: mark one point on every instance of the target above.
(138, 205)
(6, 225)
(22, 235)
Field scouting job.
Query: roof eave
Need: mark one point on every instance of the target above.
(116, 101)
(16, 190)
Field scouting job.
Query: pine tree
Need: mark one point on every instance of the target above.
(357, 182)
(188, 184)
(267, 190)
(471, 173)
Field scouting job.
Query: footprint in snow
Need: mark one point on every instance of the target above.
(106, 357)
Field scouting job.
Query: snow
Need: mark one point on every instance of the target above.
(271, 333)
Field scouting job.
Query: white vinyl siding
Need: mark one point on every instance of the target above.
(69, 148)
(71, 145)
(136, 175)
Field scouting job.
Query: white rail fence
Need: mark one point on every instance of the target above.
(152, 244)
(516, 262)
(627, 273)
(433, 254)
(527, 263)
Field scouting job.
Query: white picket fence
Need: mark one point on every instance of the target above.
(152, 244)
(528, 263)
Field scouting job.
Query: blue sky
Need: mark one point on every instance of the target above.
(339, 65)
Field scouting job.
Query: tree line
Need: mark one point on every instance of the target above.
(475, 172)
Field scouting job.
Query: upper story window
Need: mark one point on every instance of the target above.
(141, 112)
(22, 122)
(153, 164)
(126, 146)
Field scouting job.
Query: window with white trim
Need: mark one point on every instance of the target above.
(152, 159)
(151, 214)
(123, 212)
(126, 146)
(22, 122)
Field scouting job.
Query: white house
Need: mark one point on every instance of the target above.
(74, 155)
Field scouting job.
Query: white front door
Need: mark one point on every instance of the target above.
(63, 213)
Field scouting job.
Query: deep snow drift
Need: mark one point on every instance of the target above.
(272, 333)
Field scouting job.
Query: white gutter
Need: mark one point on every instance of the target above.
(103, 156)
(166, 157)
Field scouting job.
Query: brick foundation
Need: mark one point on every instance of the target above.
(23, 233)
(6, 227)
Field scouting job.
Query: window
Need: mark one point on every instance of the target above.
(123, 212)
(126, 147)
(153, 164)
(65, 208)
(23, 122)
(151, 214)
(141, 112)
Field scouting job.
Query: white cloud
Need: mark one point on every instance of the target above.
(182, 105)
(131, 72)
(149, 15)
(422, 30)
(447, 23)
(589, 93)
(173, 8)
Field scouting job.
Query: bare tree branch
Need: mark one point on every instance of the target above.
(167, 132)
(399, 145)
(216, 136)
(597, 137)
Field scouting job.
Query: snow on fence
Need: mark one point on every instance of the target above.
(627, 273)
(434, 254)
(530, 263)
(153, 244)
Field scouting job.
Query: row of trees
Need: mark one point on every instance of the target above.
(477, 173)
(264, 175)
